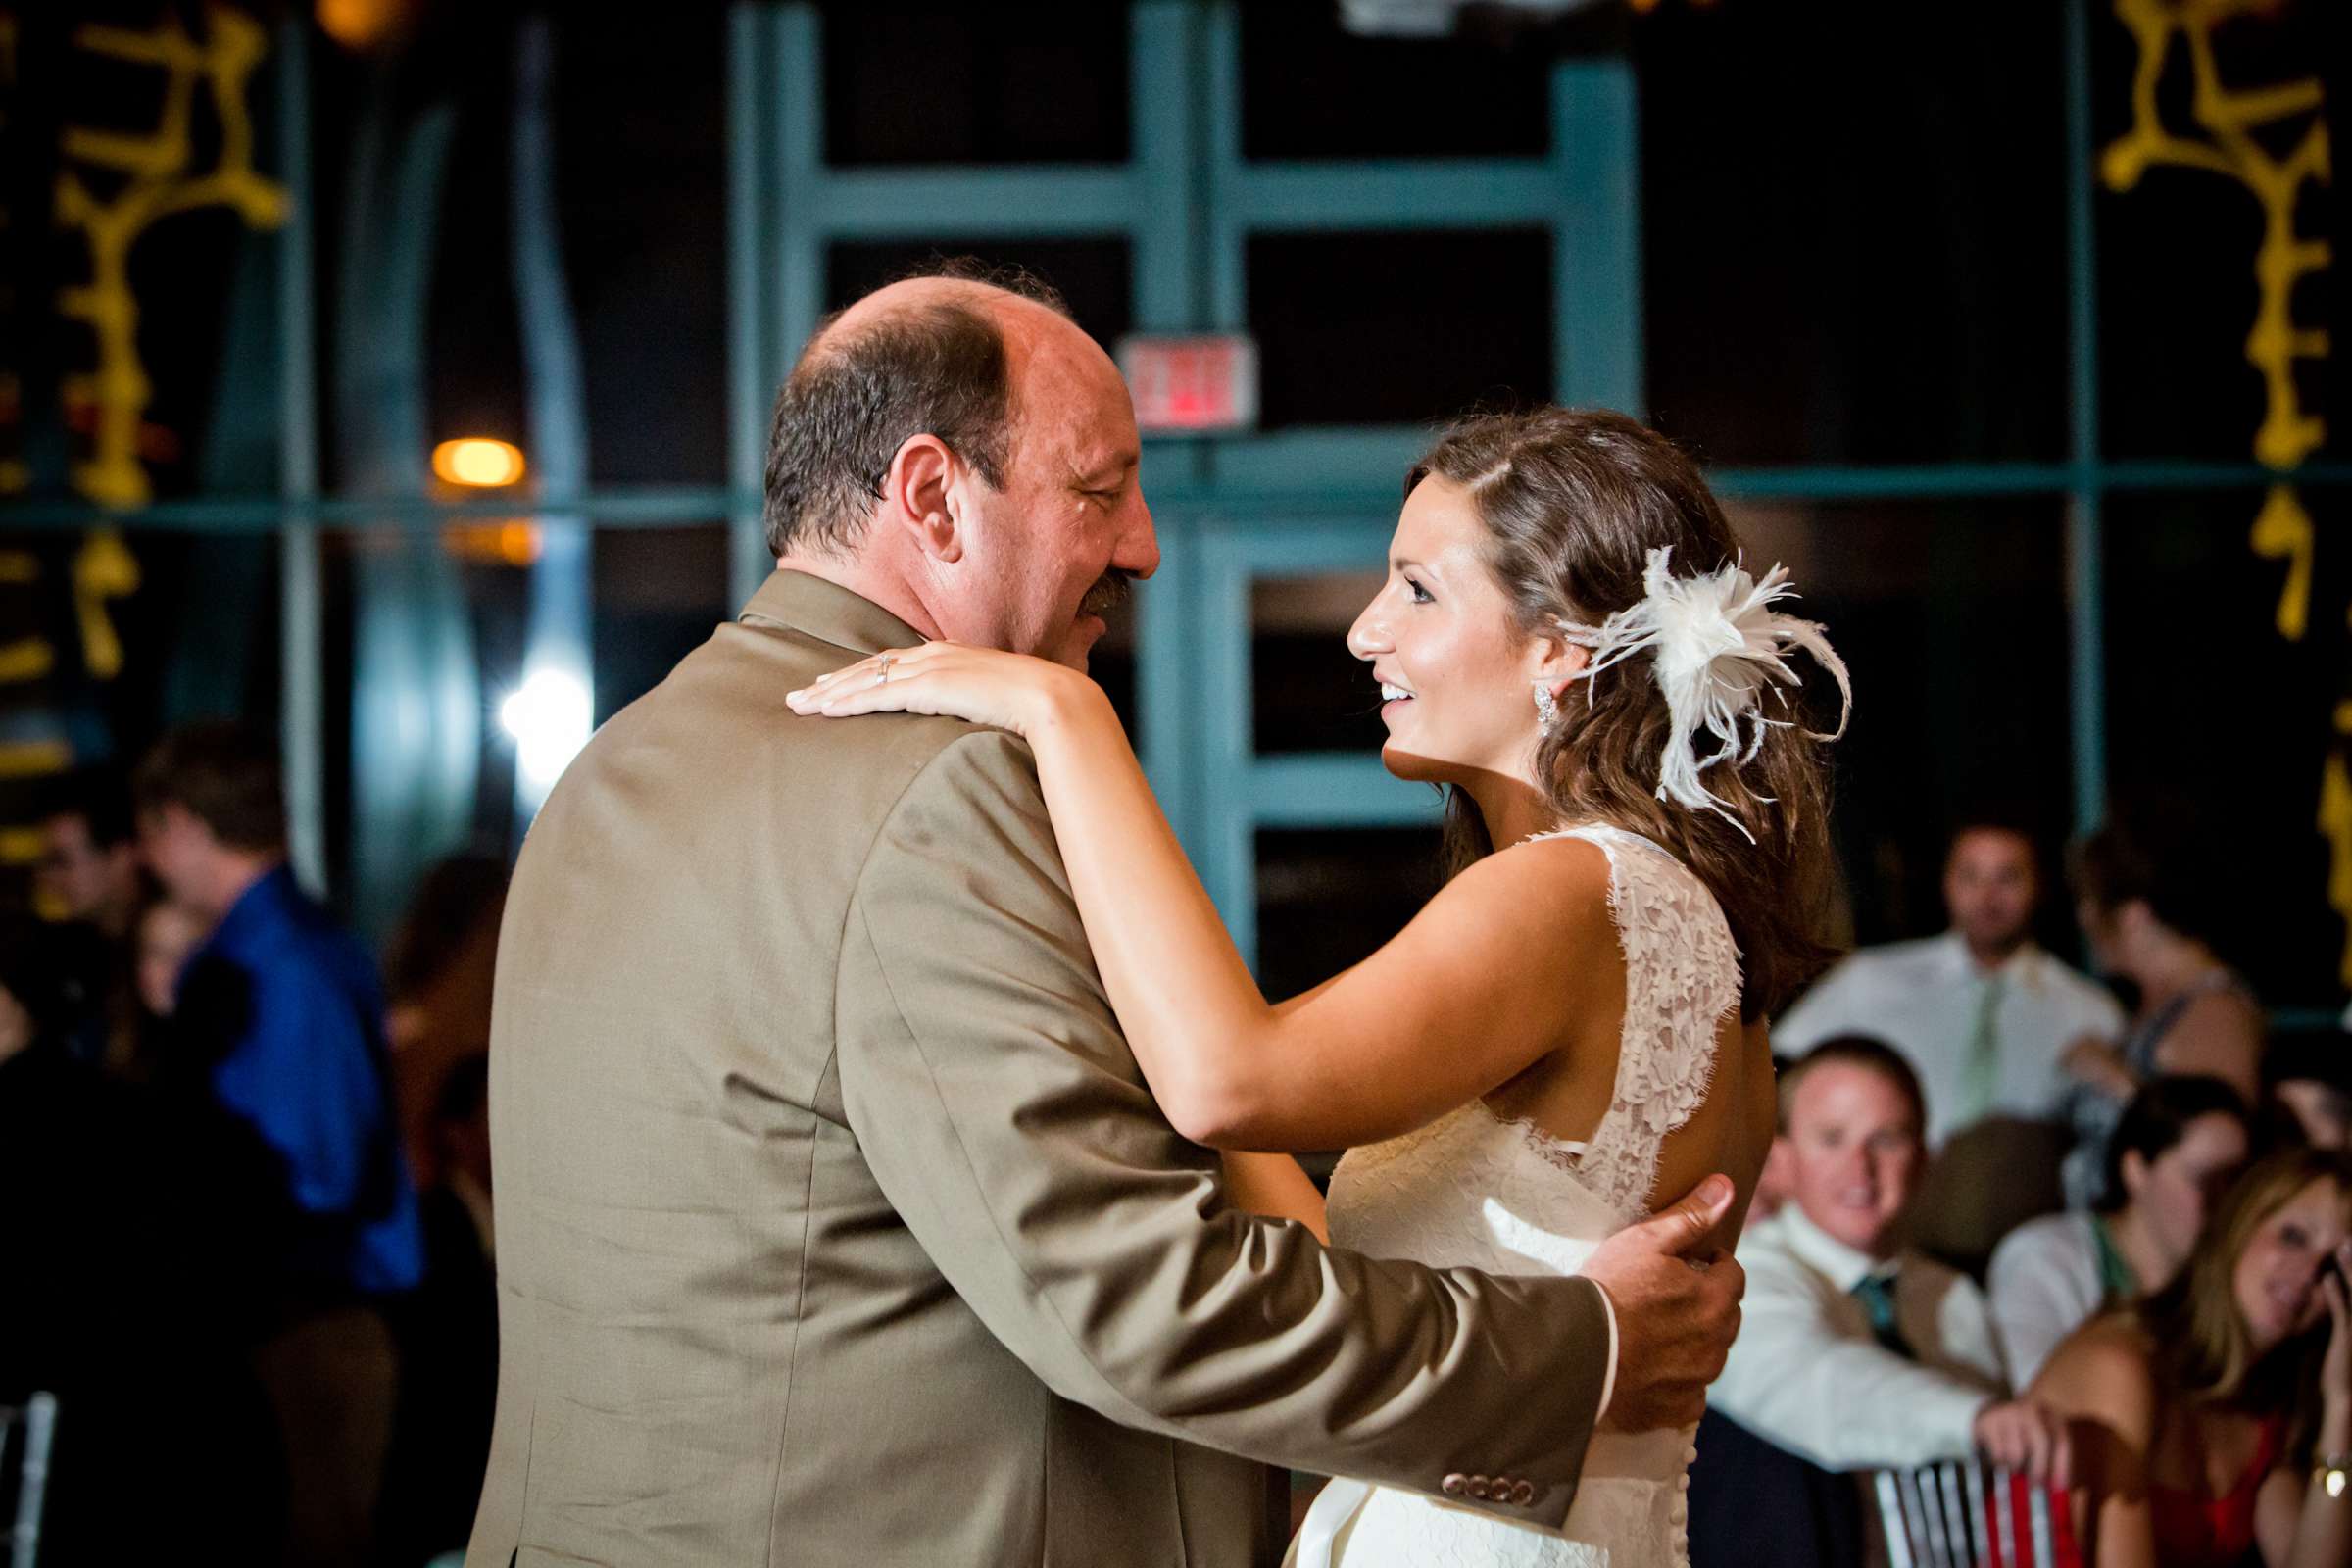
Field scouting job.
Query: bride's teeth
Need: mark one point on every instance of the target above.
(1394, 693)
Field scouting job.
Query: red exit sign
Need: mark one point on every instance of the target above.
(1191, 385)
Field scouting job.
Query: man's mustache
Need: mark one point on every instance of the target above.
(1111, 590)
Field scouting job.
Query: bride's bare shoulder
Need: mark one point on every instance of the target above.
(1550, 890)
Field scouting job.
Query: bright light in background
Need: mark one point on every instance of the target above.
(549, 719)
(360, 23)
(478, 462)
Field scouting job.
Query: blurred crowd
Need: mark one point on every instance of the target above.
(250, 1183)
(2012, 1218)
(244, 1181)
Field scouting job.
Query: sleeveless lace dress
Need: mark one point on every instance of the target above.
(1473, 1190)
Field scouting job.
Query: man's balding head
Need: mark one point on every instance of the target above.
(954, 449)
(924, 355)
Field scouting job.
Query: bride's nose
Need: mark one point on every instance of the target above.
(1369, 638)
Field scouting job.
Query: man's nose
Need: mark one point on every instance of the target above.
(1138, 549)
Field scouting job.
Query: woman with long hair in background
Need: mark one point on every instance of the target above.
(2213, 1420)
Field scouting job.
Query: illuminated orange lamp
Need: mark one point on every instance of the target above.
(478, 463)
(359, 23)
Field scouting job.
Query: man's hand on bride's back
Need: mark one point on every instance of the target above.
(1676, 1295)
(986, 685)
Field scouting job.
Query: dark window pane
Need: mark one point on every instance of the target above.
(1397, 328)
(659, 593)
(2209, 708)
(910, 84)
(113, 637)
(1872, 266)
(1307, 693)
(641, 114)
(2177, 250)
(1953, 618)
(1328, 897)
(639, 118)
(1312, 90)
(1091, 274)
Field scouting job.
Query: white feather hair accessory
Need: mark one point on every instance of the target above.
(1717, 646)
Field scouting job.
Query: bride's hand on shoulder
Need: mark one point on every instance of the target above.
(986, 685)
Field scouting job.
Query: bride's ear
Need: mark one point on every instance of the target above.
(1556, 662)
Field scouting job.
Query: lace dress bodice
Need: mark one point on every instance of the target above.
(1478, 1190)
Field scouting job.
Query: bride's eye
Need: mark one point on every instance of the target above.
(1421, 595)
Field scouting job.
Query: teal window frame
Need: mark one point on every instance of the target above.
(1230, 510)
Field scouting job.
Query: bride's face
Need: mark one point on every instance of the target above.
(1457, 675)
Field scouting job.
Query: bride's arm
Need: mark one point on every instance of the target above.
(1277, 1187)
(1482, 984)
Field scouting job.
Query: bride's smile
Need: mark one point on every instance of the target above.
(1455, 673)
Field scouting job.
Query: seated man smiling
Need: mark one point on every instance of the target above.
(1856, 1353)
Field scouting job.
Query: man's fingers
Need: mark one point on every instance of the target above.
(1681, 1227)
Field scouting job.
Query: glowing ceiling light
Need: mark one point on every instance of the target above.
(359, 23)
(478, 462)
(549, 718)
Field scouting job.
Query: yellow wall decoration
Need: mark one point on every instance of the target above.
(2239, 128)
(157, 179)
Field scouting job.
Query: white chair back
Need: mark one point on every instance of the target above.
(37, 1417)
(1965, 1514)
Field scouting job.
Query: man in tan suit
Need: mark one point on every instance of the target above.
(836, 1224)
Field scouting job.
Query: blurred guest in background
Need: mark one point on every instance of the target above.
(165, 936)
(1981, 1012)
(304, 1066)
(127, 1294)
(2180, 1144)
(438, 969)
(89, 865)
(90, 877)
(1854, 1352)
(2149, 899)
(2307, 1088)
(2213, 1419)
(448, 1336)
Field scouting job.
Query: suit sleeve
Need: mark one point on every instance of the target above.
(1000, 1109)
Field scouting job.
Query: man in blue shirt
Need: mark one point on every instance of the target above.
(287, 1006)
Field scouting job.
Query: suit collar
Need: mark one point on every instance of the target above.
(827, 611)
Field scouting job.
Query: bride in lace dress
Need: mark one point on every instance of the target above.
(1573, 1029)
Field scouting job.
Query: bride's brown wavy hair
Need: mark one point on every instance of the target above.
(1574, 501)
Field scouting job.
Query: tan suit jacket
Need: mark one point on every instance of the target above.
(835, 1222)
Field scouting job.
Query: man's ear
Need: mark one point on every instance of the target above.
(916, 495)
(2134, 1167)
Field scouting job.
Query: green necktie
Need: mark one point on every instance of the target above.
(1981, 1074)
(1876, 1293)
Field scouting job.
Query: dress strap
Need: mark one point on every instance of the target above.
(1682, 975)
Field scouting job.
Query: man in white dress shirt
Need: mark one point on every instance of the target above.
(1981, 1011)
(1855, 1353)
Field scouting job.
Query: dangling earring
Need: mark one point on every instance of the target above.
(1547, 707)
